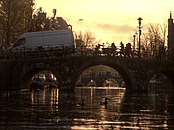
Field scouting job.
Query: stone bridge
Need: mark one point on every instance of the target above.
(136, 72)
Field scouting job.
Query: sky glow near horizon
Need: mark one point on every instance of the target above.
(110, 20)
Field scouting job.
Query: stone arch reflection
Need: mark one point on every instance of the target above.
(48, 99)
(161, 84)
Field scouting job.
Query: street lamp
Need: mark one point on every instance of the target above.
(134, 42)
(139, 41)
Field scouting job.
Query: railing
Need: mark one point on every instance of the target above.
(118, 53)
(36, 52)
(59, 51)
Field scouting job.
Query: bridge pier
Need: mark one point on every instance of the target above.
(140, 86)
(140, 78)
(6, 72)
(66, 78)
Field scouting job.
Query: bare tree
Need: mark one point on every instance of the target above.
(15, 18)
(164, 32)
(154, 38)
(86, 39)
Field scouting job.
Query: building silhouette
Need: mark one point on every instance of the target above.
(170, 32)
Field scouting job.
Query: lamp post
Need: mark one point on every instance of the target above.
(134, 42)
(139, 40)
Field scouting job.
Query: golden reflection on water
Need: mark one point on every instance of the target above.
(95, 116)
(54, 100)
(115, 98)
(46, 97)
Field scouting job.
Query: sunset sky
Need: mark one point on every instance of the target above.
(109, 20)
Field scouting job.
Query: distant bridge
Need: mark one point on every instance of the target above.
(136, 72)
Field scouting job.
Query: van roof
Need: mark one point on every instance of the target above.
(51, 32)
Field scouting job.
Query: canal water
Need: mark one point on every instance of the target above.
(52, 109)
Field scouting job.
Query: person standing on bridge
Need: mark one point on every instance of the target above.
(113, 49)
(128, 50)
(121, 49)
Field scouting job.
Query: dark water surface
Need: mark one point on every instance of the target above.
(53, 109)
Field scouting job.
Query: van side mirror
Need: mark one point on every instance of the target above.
(70, 26)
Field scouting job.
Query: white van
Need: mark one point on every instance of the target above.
(45, 40)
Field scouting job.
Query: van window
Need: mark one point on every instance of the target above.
(62, 24)
(19, 42)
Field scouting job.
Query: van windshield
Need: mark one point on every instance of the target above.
(62, 24)
(19, 42)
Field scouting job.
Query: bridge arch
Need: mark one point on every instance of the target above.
(30, 71)
(169, 73)
(116, 65)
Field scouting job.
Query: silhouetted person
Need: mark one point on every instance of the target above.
(113, 48)
(97, 51)
(128, 50)
(121, 49)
